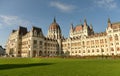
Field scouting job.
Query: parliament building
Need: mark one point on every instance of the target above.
(82, 41)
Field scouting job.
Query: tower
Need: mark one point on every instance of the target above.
(54, 32)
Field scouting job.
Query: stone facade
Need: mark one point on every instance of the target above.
(82, 41)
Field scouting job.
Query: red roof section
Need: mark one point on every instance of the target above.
(78, 28)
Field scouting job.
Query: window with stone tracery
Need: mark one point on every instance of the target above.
(35, 33)
(92, 42)
(105, 40)
(110, 38)
(34, 41)
(118, 49)
(116, 37)
(96, 42)
(112, 49)
(87, 42)
(88, 51)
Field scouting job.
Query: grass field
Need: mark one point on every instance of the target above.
(59, 67)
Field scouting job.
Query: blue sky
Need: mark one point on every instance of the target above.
(14, 13)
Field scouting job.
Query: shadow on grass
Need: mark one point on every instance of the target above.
(12, 66)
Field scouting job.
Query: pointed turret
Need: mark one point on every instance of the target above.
(91, 30)
(81, 22)
(91, 27)
(54, 20)
(109, 22)
(85, 22)
(71, 28)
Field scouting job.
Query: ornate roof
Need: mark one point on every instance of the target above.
(54, 26)
(22, 30)
(38, 30)
(116, 25)
(78, 28)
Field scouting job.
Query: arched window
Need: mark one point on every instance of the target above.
(116, 37)
(110, 38)
(105, 40)
(75, 51)
(48, 52)
(112, 49)
(40, 53)
(102, 50)
(34, 53)
(35, 33)
(101, 41)
(118, 49)
(83, 43)
(45, 52)
(11, 51)
(72, 51)
(88, 51)
(97, 50)
(83, 51)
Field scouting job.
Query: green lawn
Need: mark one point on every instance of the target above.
(59, 67)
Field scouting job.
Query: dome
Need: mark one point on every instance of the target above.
(78, 28)
(54, 31)
(54, 26)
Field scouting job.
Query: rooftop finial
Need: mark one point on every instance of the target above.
(109, 23)
(54, 20)
(71, 28)
(71, 25)
(85, 20)
(80, 22)
(91, 27)
(109, 20)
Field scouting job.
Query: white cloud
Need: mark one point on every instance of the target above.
(107, 4)
(63, 7)
(12, 21)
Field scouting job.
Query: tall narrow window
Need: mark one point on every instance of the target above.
(35, 33)
(116, 37)
(110, 38)
(40, 42)
(35, 42)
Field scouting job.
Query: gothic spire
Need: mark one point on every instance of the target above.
(54, 20)
(109, 20)
(85, 22)
(109, 23)
(91, 27)
(71, 28)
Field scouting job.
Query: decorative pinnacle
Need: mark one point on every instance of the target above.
(85, 20)
(71, 25)
(54, 20)
(109, 20)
